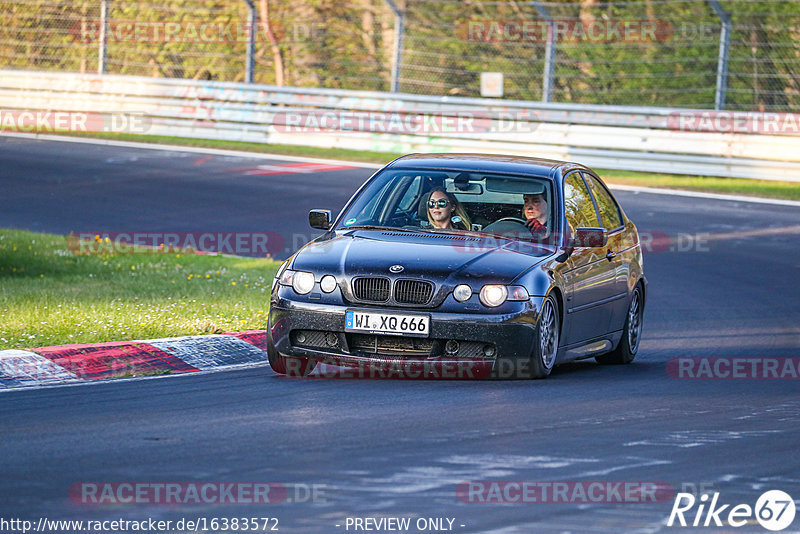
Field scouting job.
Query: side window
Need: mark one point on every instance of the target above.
(368, 213)
(409, 200)
(609, 212)
(578, 204)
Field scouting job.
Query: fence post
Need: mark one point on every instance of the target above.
(102, 52)
(724, 48)
(399, 26)
(549, 53)
(250, 60)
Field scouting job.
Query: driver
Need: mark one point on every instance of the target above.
(535, 211)
(444, 211)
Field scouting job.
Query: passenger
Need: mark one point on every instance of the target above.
(444, 211)
(535, 211)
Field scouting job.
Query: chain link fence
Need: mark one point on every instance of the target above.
(734, 54)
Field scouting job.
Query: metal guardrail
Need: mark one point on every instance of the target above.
(611, 137)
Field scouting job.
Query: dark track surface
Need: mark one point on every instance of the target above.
(68, 187)
(399, 448)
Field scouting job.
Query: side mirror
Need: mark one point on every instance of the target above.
(590, 237)
(320, 219)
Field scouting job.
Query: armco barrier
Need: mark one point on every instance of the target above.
(611, 137)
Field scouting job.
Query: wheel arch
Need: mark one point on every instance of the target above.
(559, 297)
(641, 282)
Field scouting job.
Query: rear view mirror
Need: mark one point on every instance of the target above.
(590, 237)
(320, 219)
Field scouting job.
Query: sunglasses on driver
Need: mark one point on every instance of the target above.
(441, 203)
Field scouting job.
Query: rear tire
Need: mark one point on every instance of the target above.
(631, 334)
(288, 365)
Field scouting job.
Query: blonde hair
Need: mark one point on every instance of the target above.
(458, 209)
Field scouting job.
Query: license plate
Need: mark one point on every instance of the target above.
(387, 323)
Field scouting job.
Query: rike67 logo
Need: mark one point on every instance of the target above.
(774, 510)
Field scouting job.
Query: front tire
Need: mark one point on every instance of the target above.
(547, 337)
(631, 334)
(288, 365)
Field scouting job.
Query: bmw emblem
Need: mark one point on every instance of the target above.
(396, 269)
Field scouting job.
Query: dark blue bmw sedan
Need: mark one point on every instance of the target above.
(463, 266)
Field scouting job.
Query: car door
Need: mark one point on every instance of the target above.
(611, 219)
(589, 276)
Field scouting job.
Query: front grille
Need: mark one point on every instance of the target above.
(390, 345)
(371, 289)
(413, 291)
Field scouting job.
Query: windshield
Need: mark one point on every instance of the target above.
(455, 201)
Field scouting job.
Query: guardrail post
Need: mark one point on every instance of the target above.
(549, 53)
(102, 52)
(250, 60)
(399, 25)
(724, 48)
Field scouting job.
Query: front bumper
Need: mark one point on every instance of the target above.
(315, 330)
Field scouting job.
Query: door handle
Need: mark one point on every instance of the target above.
(611, 255)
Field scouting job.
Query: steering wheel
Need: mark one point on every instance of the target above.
(515, 219)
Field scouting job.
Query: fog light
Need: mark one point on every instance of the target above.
(451, 347)
(300, 337)
(331, 339)
(488, 351)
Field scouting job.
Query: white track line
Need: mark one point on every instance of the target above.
(698, 194)
(193, 149)
(259, 155)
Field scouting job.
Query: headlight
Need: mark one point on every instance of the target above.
(328, 283)
(493, 295)
(462, 292)
(301, 281)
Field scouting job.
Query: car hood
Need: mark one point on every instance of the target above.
(444, 257)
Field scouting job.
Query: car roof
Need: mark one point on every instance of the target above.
(488, 163)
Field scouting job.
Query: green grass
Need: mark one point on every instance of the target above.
(50, 296)
(727, 186)
(365, 156)
(734, 186)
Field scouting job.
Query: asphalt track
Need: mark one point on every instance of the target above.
(726, 285)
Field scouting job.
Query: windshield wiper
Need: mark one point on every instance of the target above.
(388, 228)
(365, 227)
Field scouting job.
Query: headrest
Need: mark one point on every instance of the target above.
(422, 209)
